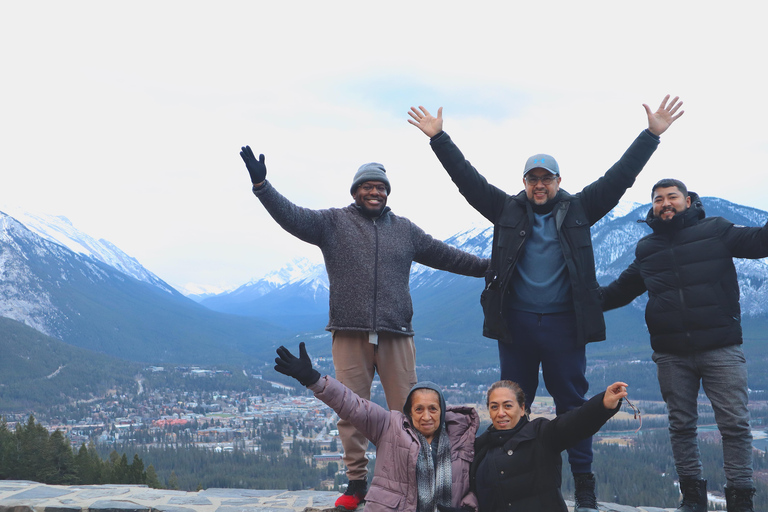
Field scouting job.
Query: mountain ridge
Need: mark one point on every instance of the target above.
(90, 304)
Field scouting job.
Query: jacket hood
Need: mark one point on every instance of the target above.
(425, 385)
(689, 217)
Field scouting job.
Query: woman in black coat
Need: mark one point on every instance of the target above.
(517, 465)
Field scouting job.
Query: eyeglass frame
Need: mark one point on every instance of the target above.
(547, 179)
(637, 414)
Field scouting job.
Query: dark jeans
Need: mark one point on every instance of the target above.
(548, 340)
(723, 374)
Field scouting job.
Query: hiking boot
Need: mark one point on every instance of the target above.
(584, 493)
(353, 496)
(739, 499)
(694, 491)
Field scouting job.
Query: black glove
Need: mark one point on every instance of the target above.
(256, 168)
(446, 508)
(300, 368)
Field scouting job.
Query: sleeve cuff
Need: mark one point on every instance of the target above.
(436, 137)
(649, 132)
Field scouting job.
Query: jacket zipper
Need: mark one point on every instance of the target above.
(679, 287)
(375, 273)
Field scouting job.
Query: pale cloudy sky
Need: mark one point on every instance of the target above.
(127, 117)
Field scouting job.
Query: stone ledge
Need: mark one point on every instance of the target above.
(25, 496)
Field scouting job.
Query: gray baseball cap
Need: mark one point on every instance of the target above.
(542, 161)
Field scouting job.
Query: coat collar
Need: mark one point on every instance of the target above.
(689, 217)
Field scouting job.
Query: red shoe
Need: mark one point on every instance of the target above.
(353, 496)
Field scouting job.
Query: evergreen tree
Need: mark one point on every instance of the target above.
(136, 474)
(173, 481)
(152, 480)
(60, 466)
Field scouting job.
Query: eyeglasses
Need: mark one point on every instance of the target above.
(637, 414)
(367, 187)
(546, 179)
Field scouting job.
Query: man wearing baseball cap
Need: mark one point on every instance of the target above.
(541, 300)
(368, 251)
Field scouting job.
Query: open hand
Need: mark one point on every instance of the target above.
(659, 121)
(426, 122)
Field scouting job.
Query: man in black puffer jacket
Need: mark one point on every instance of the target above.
(694, 319)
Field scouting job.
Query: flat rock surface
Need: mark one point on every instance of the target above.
(24, 496)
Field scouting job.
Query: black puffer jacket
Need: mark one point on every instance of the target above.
(687, 268)
(574, 214)
(520, 470)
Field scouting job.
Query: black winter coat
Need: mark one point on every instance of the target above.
(574, 215)
(687, 268)
(524, 473)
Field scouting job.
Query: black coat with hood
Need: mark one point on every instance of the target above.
(520, 469)
(686, 265)
(512, 218)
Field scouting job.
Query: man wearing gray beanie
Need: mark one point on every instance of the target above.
(368, 251)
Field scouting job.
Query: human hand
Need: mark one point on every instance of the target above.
(426, 122)
(613, 394)
(256, 168)
(300, 368)
(659, 121)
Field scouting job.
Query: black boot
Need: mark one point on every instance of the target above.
(739, 499)
(694, 491)
(584, 493)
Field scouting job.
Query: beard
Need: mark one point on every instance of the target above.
(675, 213)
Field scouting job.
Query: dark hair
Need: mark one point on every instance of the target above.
(670, 182)
(514, 387)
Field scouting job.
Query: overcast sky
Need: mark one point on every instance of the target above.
(127, 117)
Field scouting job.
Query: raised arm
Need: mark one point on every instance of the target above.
(665, 115)
(484, 197)
(571, 427)
(368, 417)
(304, 223)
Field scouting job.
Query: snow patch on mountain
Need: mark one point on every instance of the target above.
(614, 240)
(24, 296)
(59, 230)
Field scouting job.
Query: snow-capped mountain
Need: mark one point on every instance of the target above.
(52, 280)
(59, 229)
(302, 288)
(85, 302)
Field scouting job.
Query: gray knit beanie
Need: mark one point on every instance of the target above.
(370, 172)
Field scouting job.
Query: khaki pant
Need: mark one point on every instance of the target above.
(355, 361)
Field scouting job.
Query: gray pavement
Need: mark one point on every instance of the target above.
(24, 496)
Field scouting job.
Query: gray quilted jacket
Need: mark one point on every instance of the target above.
(368, 260)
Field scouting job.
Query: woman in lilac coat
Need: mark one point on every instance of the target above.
(423, 454)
